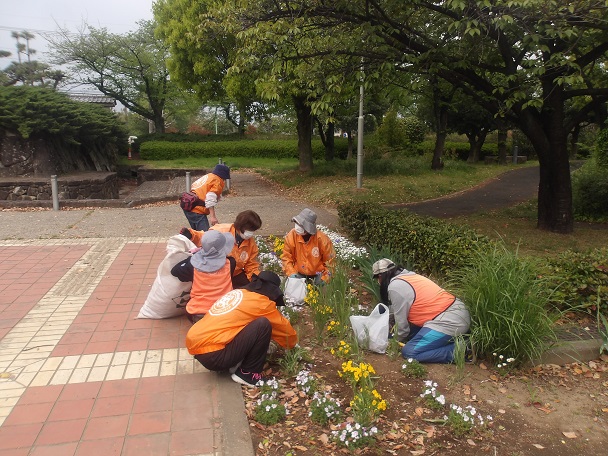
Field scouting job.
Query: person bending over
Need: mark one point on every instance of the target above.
(427, 317)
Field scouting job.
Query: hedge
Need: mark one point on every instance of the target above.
(432, 246)
(284, 148)
(457, 150)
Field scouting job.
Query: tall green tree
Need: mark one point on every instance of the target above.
(521, 59)
(128, 67)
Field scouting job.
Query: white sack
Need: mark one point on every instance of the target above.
(167, 290)
(372, 330)
(295, 290)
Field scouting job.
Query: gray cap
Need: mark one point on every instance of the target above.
(381, 266)
(307, 219)
(214, 248)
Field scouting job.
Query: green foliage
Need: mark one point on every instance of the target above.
(413, 369)
(601, 149)
(506, 303)
(577, 280)
(458, 150)
(293, 360)
(165, 150)
(429, 245)
(590, 191)
(42, 113)
(391, 132)
(414, 128)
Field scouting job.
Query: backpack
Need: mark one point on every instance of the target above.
(189, 200)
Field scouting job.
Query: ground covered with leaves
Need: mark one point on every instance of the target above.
(546, 409)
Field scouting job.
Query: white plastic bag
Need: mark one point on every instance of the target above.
(372, 330)
(168, 291)
(295, 290)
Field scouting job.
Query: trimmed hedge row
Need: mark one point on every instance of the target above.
(457, 150)
(432, 246)
(286, 148)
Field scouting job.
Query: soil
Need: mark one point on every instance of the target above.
(545, 410)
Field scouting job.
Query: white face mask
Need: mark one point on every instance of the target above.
(299, 229)
(247, 234)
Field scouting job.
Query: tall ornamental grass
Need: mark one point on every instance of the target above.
(504, 298)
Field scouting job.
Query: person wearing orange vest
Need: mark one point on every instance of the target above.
(209, 190)
(245, 251)
(424, 313)
(212, 273)
(308, 253)
(236, 332)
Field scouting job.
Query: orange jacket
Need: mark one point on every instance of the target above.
(308, 258)
(208, 287)
(430, 299)
(246, 254)
(209, 183)
(229, 315)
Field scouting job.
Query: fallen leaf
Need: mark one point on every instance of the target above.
(419, 411)
(416, 452)
(605, 410)
(483, 366)
(494, 377)
(466, 390)
(501, 411)
(430, 431)
(471, 442)
(502, 390)
(570, 435)
(294, 399)
(536, 445)
(301, 448)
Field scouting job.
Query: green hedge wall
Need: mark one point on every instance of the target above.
(287, 148)
(456, 150)
(432, 246)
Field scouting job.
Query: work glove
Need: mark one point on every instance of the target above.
(186, 232)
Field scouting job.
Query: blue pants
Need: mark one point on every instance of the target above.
(198, 222)
(429, 346)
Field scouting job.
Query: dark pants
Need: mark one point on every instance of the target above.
(198, 222)
(240, 280)
(248, 347)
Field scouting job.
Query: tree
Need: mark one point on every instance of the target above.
(202, 51)
(130, 68)
(28, 72)
(520, 59)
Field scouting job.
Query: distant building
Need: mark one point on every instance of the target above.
(103, 100)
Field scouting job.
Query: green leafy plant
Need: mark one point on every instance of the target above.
(292, 360)
(367, 405)
(269, 409)
(504, 298)
(324, 409)
(413, 369)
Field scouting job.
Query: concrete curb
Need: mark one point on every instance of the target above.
(234, 431)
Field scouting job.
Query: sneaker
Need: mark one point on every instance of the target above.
(233, 369)
(249, 379)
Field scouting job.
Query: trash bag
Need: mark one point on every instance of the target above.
(168, 296)
(295, 290)
(372, 331)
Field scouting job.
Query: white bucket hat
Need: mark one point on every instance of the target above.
(381, 266)
(214, 248)
(307, 219)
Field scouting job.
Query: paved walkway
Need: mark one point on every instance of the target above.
(79, 374)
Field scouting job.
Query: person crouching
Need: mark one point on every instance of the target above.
(238, 329)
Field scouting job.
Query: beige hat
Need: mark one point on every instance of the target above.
(307, 219)
(381, 266)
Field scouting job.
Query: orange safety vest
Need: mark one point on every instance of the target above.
(308, 258)
(429, 299)
(203, 185)
(208, 287)
(230, 314)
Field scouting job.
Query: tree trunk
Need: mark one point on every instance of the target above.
(547, 133)
(502, 142)
(330, 151)
(476, 142)
(574, 141)
(159, 122)
(442, 133)
(304, 116)
(349, 154)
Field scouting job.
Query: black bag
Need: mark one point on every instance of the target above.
(189, 200)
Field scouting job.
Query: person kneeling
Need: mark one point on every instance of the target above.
(238, 329)
(424, 313)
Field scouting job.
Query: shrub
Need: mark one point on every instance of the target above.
(429, 245)
(505, 301)
(590, 192)
(576, 279)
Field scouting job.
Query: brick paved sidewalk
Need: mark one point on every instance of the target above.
(79, 375)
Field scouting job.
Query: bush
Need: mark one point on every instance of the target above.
(286, 148)
(429, 245)
(505, 300)
(590, 192)
(576, 279)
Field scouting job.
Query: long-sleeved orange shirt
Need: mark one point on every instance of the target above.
(245, 255)
(209, 183)
(230, 314)
(308, 258)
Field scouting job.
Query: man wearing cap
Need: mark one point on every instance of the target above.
(238, 329)
(209, 189)
(307, 252)
(424, 313)
(212, 275)
(245, 251)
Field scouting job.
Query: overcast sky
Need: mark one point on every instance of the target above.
(43, 17)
